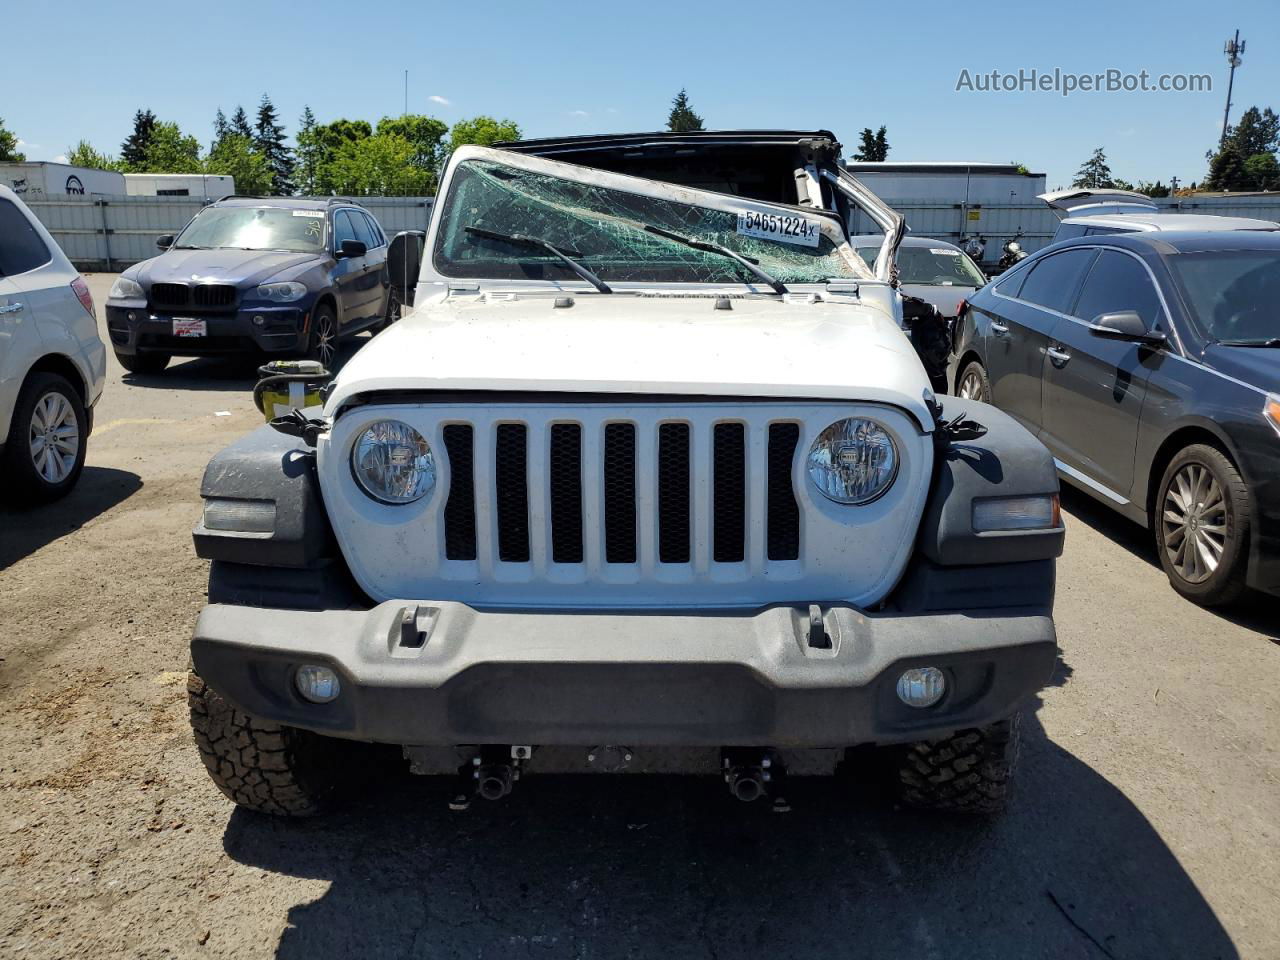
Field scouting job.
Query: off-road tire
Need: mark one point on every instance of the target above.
(970, 771)
(263, 766)
(979, 372)
(143, 362)
(1227, 583)
(20, 480)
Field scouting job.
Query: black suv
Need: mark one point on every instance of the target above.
(255, 275)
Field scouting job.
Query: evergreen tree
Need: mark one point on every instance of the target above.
(1246, 158)
(9, 146)
(240, 123)
(1227, 170)
(270, 142)
(682, 119)
(133, 152)
(310, 153)
(220, 126)
(1094, 174)
(873, 146)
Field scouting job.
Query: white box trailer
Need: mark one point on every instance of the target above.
(209, 185)
(949, 182)
(44, 180)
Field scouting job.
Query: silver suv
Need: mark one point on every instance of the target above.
(52, 362)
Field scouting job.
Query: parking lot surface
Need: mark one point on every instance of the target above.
(1146, 820)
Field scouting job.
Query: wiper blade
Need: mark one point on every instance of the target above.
(537, 243)
(709, 247)
(1259, 342)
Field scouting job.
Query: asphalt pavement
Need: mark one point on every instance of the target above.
(1146, 820)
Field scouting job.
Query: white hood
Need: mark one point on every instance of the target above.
(762, 347)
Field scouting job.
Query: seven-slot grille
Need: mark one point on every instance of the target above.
(206, 295)
(605, 489)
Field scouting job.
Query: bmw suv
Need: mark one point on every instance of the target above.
(249, 275)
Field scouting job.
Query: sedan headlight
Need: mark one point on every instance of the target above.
(1271, 410)
(853, 461)
(126, 289)
(285, 292)
(392, 463)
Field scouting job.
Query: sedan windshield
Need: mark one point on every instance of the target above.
(1232, 293)
(621, 236)
(255, 228)
(931, 266)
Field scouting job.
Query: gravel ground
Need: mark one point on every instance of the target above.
(1145, 824)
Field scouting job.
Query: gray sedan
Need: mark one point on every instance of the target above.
(1149, 365)
(937, 272)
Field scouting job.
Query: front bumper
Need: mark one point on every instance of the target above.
(446, 673)
(269, 329)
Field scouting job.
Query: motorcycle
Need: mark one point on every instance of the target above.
(1012, 253)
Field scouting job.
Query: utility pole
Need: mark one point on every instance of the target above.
(1234, 49)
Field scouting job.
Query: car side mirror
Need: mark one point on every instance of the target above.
(165, 242)
(1125, 325)
(351, 249)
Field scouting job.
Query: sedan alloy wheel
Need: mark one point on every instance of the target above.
(1194, 523)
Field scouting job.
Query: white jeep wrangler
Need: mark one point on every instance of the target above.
(647, 467)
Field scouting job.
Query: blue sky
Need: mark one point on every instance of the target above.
(572, 67)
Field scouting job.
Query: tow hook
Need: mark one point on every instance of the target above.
(753, 774)
(492, 774)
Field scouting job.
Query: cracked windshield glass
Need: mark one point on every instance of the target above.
(604, 230)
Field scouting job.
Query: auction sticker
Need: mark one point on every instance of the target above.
(784, 228)
(319, 214)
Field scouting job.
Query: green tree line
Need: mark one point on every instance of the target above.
(400, 156)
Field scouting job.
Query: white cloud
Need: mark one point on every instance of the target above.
(60, 158)
(436, 98)
(610, 109)
(30, 146)
(579, 113)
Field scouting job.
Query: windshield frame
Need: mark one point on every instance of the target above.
(321, 250)
(432, 272)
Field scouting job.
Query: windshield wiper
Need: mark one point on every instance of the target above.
(709, 247)
(1260, 342)
(537, 243)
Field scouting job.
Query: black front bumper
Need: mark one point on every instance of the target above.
(428, 673)
(273, 329)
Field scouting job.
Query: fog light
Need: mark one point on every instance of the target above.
(921, 686)
(1016, 513)
(241, 516)
(317, 684)
(259, 320)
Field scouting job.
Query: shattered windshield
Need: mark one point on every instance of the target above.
(603, 228)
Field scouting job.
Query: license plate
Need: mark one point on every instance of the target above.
(190, 328)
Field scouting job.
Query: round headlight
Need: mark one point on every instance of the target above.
(392, 463)
(853, 461)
